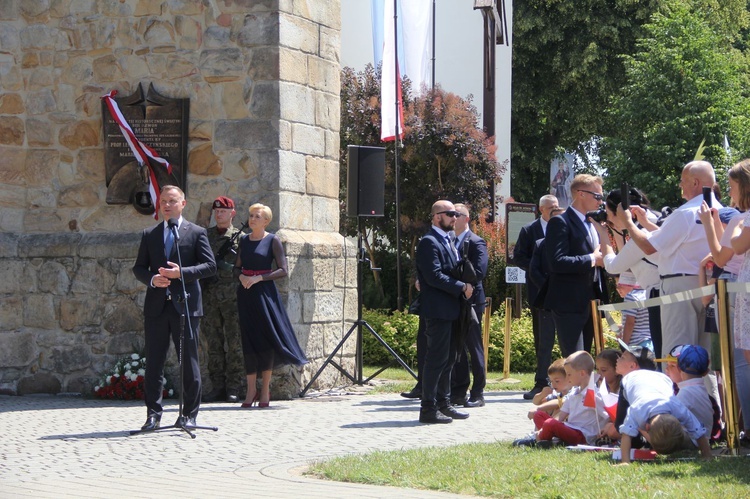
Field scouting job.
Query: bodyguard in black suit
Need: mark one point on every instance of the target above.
(573, 256)
(439, 297)
(473, 348)
(541, 319)
(163, 307)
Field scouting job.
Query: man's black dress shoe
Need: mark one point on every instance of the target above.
(531, 393)
(185, 422)
(434, 417)
(454, 413)
(458, 400)
(215, 395)
(152, 423)
(475, 402)
(232, 397)
(413, 394)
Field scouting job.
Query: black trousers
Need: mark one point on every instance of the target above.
(545, 345)
(438, 363)
(421, 351)
(470, 359)
(654, 323)
(575, 331)
(159, 330)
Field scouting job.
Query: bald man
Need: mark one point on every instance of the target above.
(440, 302)
(681, 244)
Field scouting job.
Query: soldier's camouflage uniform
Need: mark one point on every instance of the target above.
(220, 327)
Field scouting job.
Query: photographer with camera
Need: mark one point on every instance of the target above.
(221, 327)
(681, 243)
(628, 256)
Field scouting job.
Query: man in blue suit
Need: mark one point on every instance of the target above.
(574, 259)
(163, 307)
(476, 251)
(440, 303)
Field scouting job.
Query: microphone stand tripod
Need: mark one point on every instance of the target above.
(357, 377)
(181, 423)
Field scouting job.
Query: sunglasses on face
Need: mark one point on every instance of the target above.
(598, 197)
(450, 213)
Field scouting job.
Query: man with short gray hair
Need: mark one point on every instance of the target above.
(542, 323)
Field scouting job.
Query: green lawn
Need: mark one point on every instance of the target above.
(397, 380)
(500, 470)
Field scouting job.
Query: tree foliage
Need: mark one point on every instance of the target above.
(566, 68)
(444, 155)
(685, 84)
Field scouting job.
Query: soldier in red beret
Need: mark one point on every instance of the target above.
(221, 330)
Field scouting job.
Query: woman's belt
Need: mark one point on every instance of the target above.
(256, 272)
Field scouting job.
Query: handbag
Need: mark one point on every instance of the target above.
(464, 270)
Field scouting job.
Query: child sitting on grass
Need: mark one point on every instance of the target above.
(655, 413)
(686, 367)
(576, 423)
(606, 366)
(551, 398)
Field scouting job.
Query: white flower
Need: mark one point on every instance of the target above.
(171, 392)
(116, 375)
(96, 388)
(133, 377)
(141, 372)
(134, 364)
(128, 373)
(135, 356)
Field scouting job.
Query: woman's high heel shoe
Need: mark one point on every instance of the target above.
(263, 405)
(247, 405)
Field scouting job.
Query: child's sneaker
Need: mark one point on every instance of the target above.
(525, 442)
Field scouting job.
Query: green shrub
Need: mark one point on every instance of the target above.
(399, 330)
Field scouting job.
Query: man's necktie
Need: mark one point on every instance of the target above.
(168, 243)
(451, 247)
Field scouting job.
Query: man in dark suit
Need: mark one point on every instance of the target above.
(541, 320)
(440, 303)
(574, 259)
(164, 305)
(473, 348)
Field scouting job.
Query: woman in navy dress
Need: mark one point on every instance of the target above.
(268, 339)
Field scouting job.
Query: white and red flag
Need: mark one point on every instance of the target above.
(141, 151)
(413, 58)
(609, 399)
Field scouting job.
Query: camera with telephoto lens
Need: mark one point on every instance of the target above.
(598, 216)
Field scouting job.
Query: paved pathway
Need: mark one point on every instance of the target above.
(60, 446)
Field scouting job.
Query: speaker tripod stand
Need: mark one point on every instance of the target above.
(358, 326)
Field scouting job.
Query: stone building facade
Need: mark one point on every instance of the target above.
(263, 81)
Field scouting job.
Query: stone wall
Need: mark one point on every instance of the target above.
(263, 81)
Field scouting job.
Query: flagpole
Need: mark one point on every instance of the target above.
(434, 14)
(400, 298)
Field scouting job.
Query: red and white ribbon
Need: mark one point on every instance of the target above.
(140, 150)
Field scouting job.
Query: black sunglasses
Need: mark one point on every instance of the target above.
(450, 213)
(598, 197)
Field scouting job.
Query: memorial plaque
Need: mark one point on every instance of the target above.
(159, 122)
(516, 216)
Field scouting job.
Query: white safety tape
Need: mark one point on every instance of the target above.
(738, 287)
(732, 287)
(662, 300)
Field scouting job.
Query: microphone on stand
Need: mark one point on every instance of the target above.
(172, 224)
